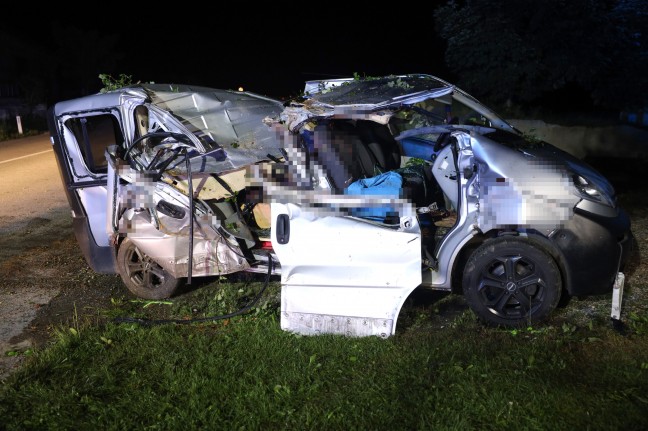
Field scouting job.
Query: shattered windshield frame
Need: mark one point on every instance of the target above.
(227, 125)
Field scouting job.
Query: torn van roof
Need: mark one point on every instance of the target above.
(374, 91)
(221, 119)
(366, 98)
(377, 99)
(225, 124)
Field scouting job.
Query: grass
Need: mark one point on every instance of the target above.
(442, 370)
(246, 373)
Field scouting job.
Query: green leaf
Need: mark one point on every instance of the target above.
(148, 303)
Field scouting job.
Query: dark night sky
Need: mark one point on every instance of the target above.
(273, 48)
(228, 49)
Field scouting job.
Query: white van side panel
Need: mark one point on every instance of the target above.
(343, 275)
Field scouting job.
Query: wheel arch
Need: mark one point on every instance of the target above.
(533, 236)
(142, 276)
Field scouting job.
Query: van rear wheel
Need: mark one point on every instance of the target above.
(142, 275)
(511, 282)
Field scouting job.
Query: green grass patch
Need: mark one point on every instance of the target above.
(244, 372)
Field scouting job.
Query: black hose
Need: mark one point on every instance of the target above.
(191, 218)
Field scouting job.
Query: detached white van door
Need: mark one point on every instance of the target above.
(343, 274)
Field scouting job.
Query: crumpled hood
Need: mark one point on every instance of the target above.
(562, 158)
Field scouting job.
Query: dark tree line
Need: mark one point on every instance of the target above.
(64, 63)
(520, 53)
(525, 52)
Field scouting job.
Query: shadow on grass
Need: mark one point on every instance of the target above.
(433, 308)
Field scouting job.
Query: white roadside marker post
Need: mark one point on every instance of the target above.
(617, 295)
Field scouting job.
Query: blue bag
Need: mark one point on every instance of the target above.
(387, 184)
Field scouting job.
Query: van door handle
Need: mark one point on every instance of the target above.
(283, 228)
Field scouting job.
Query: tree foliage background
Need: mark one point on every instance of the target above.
(517, 53)
(523, 52)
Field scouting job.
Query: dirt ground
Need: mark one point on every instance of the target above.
(47, 285)
(44, 281)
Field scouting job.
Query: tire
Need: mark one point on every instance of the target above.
(142, 276)
(511, 282)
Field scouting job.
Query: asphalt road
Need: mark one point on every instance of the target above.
(31, 192)
(31, 185)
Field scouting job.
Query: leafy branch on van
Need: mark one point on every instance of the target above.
(399, 83)
(357, 77)
(110, 83)
(414, 161)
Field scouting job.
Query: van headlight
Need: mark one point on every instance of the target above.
(590, 191)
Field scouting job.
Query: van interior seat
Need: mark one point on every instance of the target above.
(350, 152)
(379, 151)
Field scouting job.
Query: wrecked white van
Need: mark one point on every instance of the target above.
(357, 193)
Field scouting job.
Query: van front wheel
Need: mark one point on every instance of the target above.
(511, 282)
(142, 275)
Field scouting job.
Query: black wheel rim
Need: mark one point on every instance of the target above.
(142, 270)
(512, 287)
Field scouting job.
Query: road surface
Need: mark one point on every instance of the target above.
(32, 197)
(31, 186)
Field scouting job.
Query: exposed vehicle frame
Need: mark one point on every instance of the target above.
(376, 187)
(128, 158)
(530, 224)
